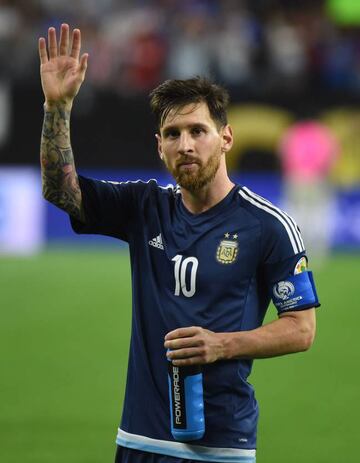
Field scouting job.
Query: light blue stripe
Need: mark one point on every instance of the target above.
(183, 454)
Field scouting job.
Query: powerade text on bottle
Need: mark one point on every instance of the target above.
(186, 402)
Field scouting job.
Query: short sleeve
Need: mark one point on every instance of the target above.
(109, 208)
(282, 245)
(283, 263)
(289, 283)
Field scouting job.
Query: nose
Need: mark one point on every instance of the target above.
(185, 144)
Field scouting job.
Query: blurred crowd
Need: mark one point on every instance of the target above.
(261, 44)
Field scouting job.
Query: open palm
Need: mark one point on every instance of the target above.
(61, 70)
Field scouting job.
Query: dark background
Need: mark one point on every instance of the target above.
(303, 56)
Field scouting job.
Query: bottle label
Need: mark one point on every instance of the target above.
(178, 377)
(178, 397)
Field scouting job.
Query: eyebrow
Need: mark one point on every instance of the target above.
(170, 128)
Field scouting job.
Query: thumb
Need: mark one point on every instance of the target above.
(83, 63)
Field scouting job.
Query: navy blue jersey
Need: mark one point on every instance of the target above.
(216, 270)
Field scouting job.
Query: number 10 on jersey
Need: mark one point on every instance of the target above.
(182, 286)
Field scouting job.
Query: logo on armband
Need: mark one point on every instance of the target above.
(284, 290)
(295, 292)
(301, 265)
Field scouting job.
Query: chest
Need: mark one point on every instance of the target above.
(207, 260)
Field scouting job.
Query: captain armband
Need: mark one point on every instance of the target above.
(296, 292)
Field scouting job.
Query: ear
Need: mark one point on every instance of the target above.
(159, 146)
(227, 139)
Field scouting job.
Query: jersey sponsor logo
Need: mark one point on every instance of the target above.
(157, 242)
(284, 290)
(227, 250)
(301, 266)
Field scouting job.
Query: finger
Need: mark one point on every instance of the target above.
(181, 354)
(75, 44)
(42, 51)
(190, 361)
(180, 343)
(52, 42)
(83, 63)
(182, 332)
(64, 39)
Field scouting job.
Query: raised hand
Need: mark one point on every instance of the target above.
(62, 71)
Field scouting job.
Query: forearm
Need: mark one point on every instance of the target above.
(59, 179)
(292, 332)
(283, 336)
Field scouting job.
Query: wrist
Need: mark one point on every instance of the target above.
(235, 345)
(226, 346)
(65, 105)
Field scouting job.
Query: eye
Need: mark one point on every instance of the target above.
(172, 134)
(197, 130)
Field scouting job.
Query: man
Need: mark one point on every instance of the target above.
(206, 256)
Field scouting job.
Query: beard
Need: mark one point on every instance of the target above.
(195, 180)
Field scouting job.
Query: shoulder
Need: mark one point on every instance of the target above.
(126, 193)
(276, 224)
(142, 186)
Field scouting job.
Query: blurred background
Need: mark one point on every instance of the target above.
(283, 61)
(293, 72)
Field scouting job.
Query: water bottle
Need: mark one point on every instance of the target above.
(186, 402)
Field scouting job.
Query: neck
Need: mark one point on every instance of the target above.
(202, 200)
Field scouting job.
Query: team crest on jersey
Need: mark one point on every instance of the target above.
(227, 250)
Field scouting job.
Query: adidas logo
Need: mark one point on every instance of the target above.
(157, 242)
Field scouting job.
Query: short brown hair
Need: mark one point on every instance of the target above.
(178, 93)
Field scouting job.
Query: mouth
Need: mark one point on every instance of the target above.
(187, 164)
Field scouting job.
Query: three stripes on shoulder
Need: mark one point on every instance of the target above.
(288, 222)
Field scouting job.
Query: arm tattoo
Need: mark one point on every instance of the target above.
(59, 179)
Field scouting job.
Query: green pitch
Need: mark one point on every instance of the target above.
(64, 336)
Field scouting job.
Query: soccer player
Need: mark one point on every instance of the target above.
(207, 257)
